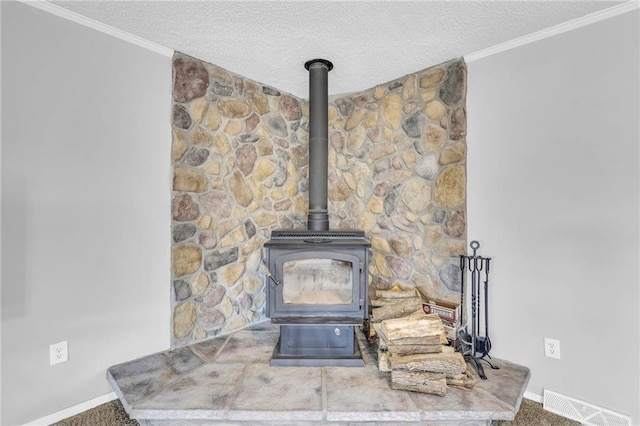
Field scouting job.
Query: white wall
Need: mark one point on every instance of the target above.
(553, 197)
(85, 208)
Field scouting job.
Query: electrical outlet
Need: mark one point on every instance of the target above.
(551, 348)
(58, 352)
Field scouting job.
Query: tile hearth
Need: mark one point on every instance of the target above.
(228, 380)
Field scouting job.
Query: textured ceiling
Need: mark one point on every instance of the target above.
(369, 42)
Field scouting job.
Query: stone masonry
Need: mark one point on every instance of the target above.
(397, 170)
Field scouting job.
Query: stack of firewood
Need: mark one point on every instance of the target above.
(413, 347)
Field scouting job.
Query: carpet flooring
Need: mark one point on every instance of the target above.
(113, 414)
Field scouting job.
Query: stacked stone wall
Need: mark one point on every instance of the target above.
(397, 156)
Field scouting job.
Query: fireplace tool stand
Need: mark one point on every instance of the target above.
(475, 347)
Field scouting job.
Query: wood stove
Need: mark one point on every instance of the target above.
(317, 284)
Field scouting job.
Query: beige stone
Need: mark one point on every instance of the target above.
(276, 195)
(339, 192)
(431, 77)
(432, 234)
(371, 120)
(263, 168)
(332, 114)
(381, 265)
(200, 284)
(197, 109)
(450, 188)
(264, 219)
(235, 323)
(434, 110)
(450, 248)
(184, 319)
(367, 222)
(221, 143)
(220, 74)
(434, 137)
(179, 145)
(212, 168)
(356, 139)
(204, 222)
(409, 87)
(453, 154)
(411, 217)
(200, 136)
(226, 306)
(290, 188)
(380, 244)
(387, 134)
(379, 92)
(186, 260)
(375, 205)
(427, 95)
(234, 108)
(399, 176)
(355, 119)
(264, 147)
(349, 180)
(213, 120)
(239, 189)
(189, 180)
(252, 284)
(300, 206)
(382, 151)
(233, 127)
(232, 273)
(402, 245)
(391, 109)
(251, 246)
(258, 102)
(410, 158)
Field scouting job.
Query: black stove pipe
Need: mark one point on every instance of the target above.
(318, 219)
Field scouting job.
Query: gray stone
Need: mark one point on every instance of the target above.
(249, 228)
(221, 90)
(216, 259)
(345, 106)
(455, 224)
(183, 231)
(245, 301)
(458, 127)
(390, 204)
(196, 156)
(184, 208)
(181, 290)
(394, 85)
(276, 124)
(450, 276)
(248, 138)
(270, 91)
(214, 319)
(246, 157)
(399, 267)
(428, 167)
(181, 117)
(439, 215)
(452, 88)
(414, 125)
(190, 79)
(208, 239)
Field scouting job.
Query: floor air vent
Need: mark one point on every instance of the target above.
(585, 413)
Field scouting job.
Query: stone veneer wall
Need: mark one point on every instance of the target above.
(240, 154)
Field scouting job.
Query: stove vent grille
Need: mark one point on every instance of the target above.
(306, 234)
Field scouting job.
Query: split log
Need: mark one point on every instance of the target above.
(384, 363)
(401, 350)
(395, 294)
(398, 328)
(448, 349)
(419, 381)
(396, 309)
(466, 380)
(448, 363)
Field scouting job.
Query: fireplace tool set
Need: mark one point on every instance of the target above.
(475, 347)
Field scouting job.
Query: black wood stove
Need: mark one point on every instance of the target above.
(317, 287)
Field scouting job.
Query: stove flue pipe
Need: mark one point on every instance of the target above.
(318, 219)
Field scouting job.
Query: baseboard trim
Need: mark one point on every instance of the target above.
(555, 30)
(72, 411)
(98, 26)
(533, 397)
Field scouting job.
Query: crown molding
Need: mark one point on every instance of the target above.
(98, 26)
(555, 30)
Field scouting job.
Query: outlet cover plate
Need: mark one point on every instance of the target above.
(58, 353)
(551, 348)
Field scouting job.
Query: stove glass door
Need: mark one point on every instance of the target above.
(318, 281)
